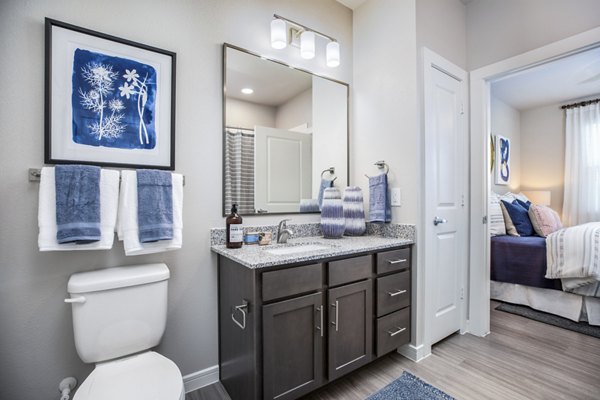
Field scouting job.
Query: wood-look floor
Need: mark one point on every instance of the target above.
(519, 359)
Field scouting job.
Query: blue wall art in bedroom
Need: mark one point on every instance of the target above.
(502, 160)
(113, 101)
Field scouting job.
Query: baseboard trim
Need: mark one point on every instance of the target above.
(415, 353)
(199, 379)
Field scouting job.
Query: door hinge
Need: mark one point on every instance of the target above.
(462, 109)
(462, 293)
(462, 200)
(484, 221)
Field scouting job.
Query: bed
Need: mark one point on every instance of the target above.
(518, 269)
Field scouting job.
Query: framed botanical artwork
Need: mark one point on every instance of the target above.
(109, 101)
(502, 173)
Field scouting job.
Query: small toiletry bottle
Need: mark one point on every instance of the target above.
(234, 231)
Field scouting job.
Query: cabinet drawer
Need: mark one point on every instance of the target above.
(393, 331)
(393, 260)
(350, 270)
(393, 292)
(291, 281)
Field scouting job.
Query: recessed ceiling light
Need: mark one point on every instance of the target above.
(247, 91)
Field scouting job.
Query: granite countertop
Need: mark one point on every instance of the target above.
(255, 256)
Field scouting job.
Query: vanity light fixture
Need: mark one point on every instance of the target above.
(279, 34)
(247, 90)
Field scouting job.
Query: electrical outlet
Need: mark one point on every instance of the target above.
(396, 197)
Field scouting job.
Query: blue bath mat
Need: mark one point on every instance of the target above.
(409, 387)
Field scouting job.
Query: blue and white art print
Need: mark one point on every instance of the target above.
(113, 101)
(502, 160)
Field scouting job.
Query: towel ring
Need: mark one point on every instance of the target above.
(331, 170)
(381, 165)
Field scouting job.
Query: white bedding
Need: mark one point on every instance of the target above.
(573, 255)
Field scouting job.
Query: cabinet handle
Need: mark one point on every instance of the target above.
(240, 308)
(400, 330)
(320, 327)
(392, 294)
(336, 306)
(397, 261)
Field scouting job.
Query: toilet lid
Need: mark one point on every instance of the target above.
(146, 376)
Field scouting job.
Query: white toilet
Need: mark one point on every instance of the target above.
(118, 315)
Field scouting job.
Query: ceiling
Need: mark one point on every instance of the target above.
(352, 4)
(569, 78)
(273, 83)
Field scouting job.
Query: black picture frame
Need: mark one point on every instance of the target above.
(65, 129)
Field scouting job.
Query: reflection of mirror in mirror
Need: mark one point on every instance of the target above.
(283, 128)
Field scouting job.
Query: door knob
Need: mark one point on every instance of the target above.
(438, 220)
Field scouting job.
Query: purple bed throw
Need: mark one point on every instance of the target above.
(521, 260)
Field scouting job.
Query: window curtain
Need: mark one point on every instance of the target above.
(239, 171)
(582, 165)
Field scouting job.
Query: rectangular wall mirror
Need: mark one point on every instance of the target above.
(284, 128)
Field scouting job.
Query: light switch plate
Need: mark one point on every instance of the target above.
(396, 197)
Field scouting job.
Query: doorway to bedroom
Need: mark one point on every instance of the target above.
(518, 161)
(527, 177)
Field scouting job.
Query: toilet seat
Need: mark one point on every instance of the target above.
(145, 376)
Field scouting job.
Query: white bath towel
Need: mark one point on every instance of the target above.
(127, 224)
(109, 197)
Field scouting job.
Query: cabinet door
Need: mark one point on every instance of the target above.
(350, 327)
(293, 347)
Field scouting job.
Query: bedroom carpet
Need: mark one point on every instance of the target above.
(409, 387)
(524, 311)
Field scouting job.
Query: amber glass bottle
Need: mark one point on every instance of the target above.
(234, 231)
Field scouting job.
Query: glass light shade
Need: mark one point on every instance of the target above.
(333, 54)
(278, 34)
(307, 45)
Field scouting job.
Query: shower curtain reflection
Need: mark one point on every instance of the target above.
(239, 170)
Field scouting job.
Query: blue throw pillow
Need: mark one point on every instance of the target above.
(523, 204)
(520, 218)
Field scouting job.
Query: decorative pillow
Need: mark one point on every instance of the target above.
(524, 204)
(519, 218)
(508, 196)
(496, 219)
(521, 196)
(544, 220)
(510, 227)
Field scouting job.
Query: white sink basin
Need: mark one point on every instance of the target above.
(301, 248)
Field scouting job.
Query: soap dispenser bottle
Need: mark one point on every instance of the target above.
(234, 231)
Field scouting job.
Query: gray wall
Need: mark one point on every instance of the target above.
(36, 340)
(498, 29)
(543, 152)
(506, 121)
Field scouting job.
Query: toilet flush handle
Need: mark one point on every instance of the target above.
(79, 299)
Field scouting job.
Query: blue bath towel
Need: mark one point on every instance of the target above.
(325, 183)
(380, 208)
(155, 205)
(77, 203)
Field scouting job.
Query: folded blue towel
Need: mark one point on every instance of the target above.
(325, 183)
(155, 205)
(380, 208)
(77, 203)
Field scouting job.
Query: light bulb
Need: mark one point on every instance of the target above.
(333, 54)
(278, 34)
(307, 45)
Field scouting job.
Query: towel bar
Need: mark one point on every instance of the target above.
(381, 164)
(35, 174)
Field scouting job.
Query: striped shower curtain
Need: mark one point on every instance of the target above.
(239, 171)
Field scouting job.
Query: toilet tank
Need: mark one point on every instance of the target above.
(118, 311)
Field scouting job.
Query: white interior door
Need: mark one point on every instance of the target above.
(283, 169)
(446, 178)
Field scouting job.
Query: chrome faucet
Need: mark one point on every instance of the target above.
(283, 233)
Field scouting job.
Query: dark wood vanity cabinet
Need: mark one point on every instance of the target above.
(285, 331)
